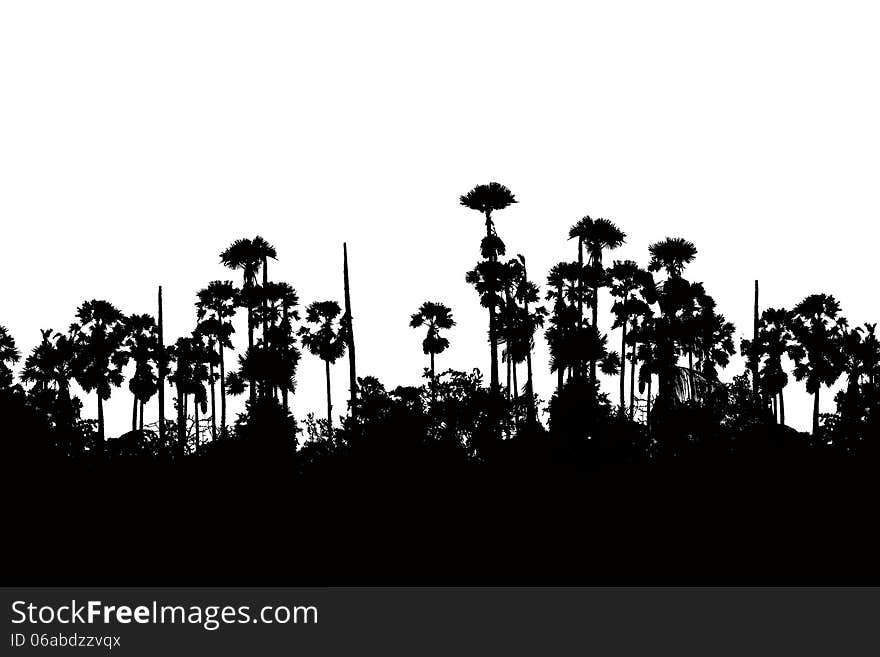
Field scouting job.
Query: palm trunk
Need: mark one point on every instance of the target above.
(632, 382)
(222, 394)
(690, 375)
(580, 283)
(196, 413)
(142, 418)
(816, 413)
(781, 408)
(623, 369)
(508, 371)
(515, 395)
(329, 402)
(493, 338)
(100, 445)
(595, 326)
(161, 372)
(181, 422)
(755, 347)
(648, 406)
(134, 412)
(284, 401)
(433, 382)
(213, 402)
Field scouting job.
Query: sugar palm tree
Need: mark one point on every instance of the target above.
(9, 355)
(817, 345)
(214, 308)
(246, 256)
(142, 343)
(486, 199)
(100, 355)
(326, 341)
(626, 278)
(672, 255)
(533, 315)
(264, 251)
(437, 317)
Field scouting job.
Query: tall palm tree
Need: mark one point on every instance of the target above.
(817, 345)
(533, 315)
(9, 355)
(486, 199)
(100, 355)
(264, 251)
(142, 343)
(672, 255)
(626, 278)
(326, 341)
(214, 308)
(248, 257)
(437, 317)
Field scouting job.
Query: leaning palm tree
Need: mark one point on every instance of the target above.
(486, 199)
(817, 350)
(9, 355)
(245, 255)
(214, 308)
(100, 355)
(437, 317)
(326, 341)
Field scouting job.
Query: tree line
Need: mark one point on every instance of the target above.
(671, 345)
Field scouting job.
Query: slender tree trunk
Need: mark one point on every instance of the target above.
(352, 370)
(580, 283)
(329, 402)
(508, 371)
(632, 382)
(264, 388)
(532, 411)
(648, 406)
(252, 393)
(774, 409)
(755, 349)
(433, 382)
(285, 345)
(595, 326)
(181, 422)
(781, 407)
(690, 375)
(222, 394)
(816, 413)
(134, 412)
(623, 368)
(196, 413)
(100, 426)
(142, 418)
(161, 372)
(213, 402)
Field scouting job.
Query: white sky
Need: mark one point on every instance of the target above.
(138, 139)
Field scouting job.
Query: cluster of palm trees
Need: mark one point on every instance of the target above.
(670, 333)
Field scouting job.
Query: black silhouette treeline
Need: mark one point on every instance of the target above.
(452, 453)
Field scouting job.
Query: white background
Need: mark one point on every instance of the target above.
(138, 139)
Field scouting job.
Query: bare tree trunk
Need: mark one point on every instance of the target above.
(648, 406)
(690, 375)
(222, 393)
(623, 368)
(100, 445)
(213, 402)
(284, 391)
(781, 407)
(196, 412)
(181, 421)
(816, 413)
(632, 383)
(142, 418)
(755, 347)
(433, 382)
(515, 394)
(134, 412)
(161, 372)
(329, 402)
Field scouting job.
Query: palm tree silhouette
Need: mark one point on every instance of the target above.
(214, 308)
(438, 317)
(9, 355)
(596, 235)
(247, 256)
(532, 318)
(326, 341)
(774, 340)
(142, 343)
(486, 199)
(626, 278)
(817, 348)
(100, 356)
